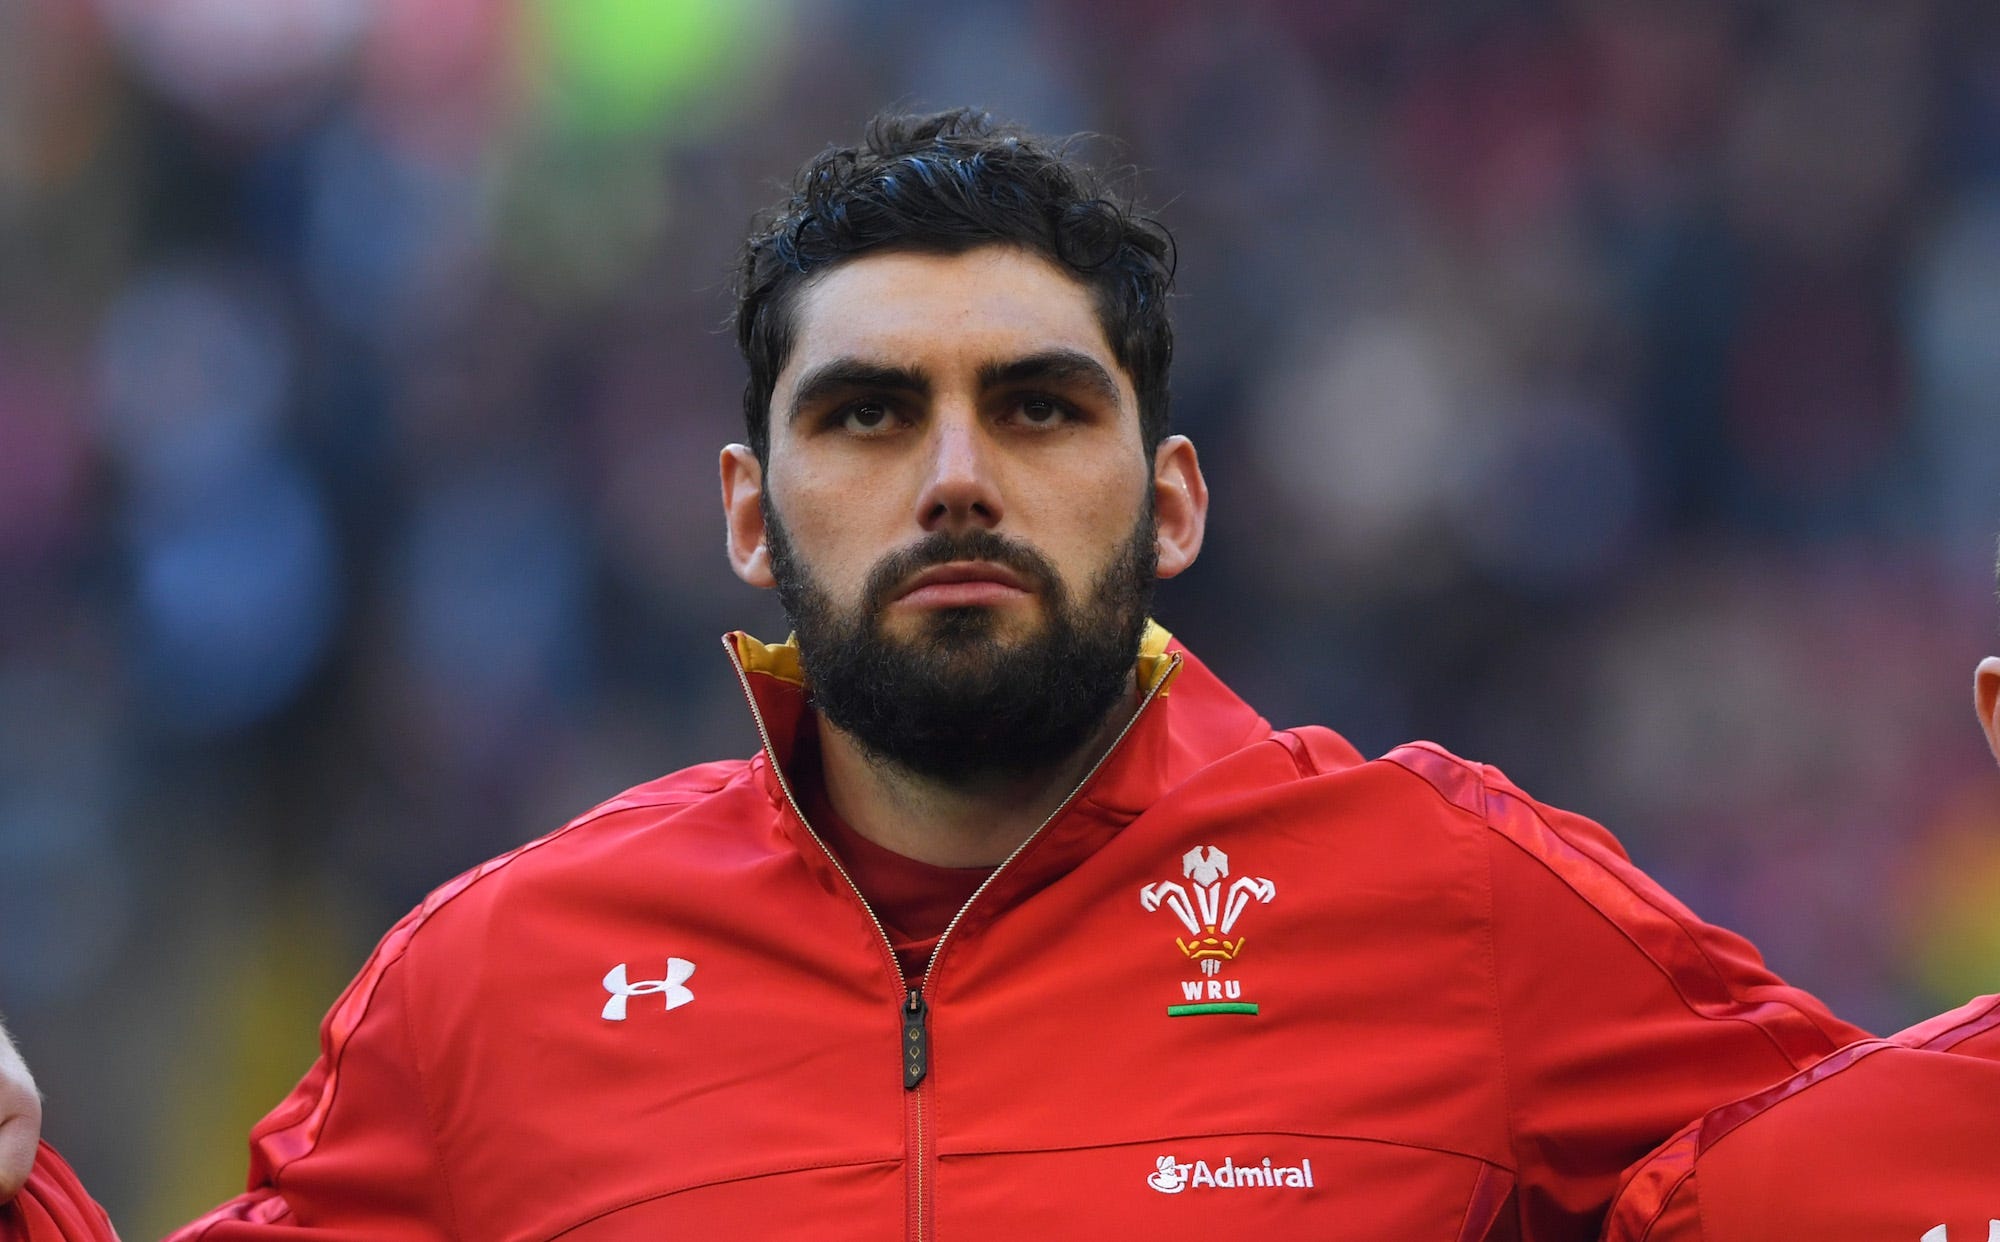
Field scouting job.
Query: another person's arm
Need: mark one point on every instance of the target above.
(1886, 1139)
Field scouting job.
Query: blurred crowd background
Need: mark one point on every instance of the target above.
(1607, 389)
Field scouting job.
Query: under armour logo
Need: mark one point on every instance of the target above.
(678, 970)
(1939, 1234)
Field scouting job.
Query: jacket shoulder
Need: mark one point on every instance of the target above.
(1529, 837)
(1538, 851)
(1569, 843)
(367, 1055)
(1318, 751)
(593, 839)
(1972, 1029)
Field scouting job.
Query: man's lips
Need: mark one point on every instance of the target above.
(963, 584)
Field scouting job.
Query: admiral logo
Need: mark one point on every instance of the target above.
(1171, 1177)
(1209, 911)
(1942, 1234)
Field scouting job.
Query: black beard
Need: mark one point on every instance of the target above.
(955, 704)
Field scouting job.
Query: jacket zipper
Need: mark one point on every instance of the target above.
(916, 1044)
(916, 1064)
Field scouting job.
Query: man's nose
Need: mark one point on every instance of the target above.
(960, 491)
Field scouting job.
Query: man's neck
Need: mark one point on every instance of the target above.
(974, 823)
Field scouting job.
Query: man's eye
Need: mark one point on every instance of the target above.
(1042, 411)
(866, 416)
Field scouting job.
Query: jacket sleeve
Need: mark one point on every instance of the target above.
(1622, 1015)
(53, 1207)
(1661, 1200)
(350, 1153)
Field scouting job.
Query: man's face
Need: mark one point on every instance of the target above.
(958, 508)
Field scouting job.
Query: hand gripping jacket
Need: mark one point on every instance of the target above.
(1241, 984)
(1893, 1138)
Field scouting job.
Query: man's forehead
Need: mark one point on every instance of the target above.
(928, 312)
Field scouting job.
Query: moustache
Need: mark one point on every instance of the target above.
(943, 547)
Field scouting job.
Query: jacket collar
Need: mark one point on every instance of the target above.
(1191, 722)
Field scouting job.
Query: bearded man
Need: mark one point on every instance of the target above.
(1020, 923)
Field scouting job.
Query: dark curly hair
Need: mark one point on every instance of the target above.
(949, 182)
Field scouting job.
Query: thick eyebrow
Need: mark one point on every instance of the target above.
(1056, 368)
(845, 374)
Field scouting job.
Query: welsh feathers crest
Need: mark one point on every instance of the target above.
(1210, 910)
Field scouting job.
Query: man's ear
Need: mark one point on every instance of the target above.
(1180, 504)
(743, 511)
(1986, 700)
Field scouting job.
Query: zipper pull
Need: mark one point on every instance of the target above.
(916, 1041)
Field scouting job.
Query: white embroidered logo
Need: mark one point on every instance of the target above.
(678, 971)
(1939, 1234)
(1167, 1177)
(1210, 912)
(1171, 1176)
(1208, 906)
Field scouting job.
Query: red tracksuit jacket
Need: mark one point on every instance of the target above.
(1888, 1139)
(1242, 984)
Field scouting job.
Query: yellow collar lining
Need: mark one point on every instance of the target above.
(781, 660)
